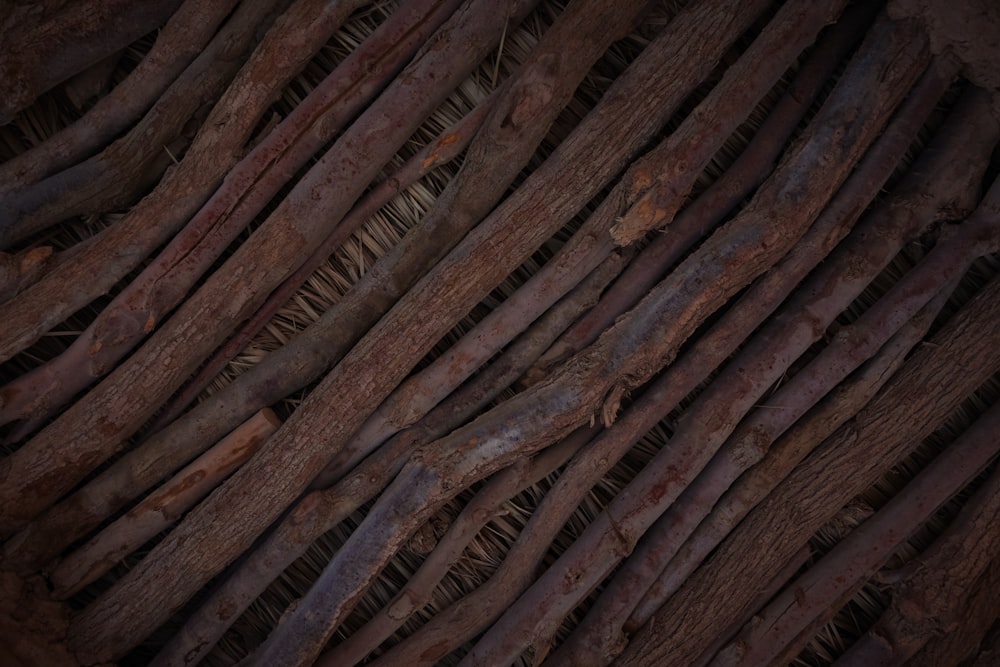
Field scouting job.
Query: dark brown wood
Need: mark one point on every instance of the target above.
(850, 461)
(45, 43)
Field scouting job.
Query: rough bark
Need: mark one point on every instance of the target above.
(83, 276)
(318, 513)
(139, 307)
(161, 508)
(814, 597)
(848, 462)
(46, 43)
(627, 355)
(95, 427)
(302, 446)
(178, 43)
(119, 173)
(748, 171)
(931, 598)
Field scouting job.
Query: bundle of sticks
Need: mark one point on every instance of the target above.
(487, 333)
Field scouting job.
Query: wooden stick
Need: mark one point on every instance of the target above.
(183, 37)
(824, 588)
(45, 45)
(533, 620)
(930, 600)
(445, 148)
(162, 507)
(34, 397)
(852, 346)
(978, 625)
(622, 359)
(84, 276)
(233, 292)
(119, 173)
(320, 512)
(733, 186)
(882, 433)
(476, 514)
(846, 401)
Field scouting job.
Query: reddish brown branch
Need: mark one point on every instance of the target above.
(46, 43)
(74, 443)
(118, 174)
(931, 599)
(618, 362)
(321, 512)
(814, 597)
(138, 309)
(183, 37)
(843, 466)
(445, 148)
(81, 277)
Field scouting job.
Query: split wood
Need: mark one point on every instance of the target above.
(616, 363)
(83, 276)
(881, 434)
(234, 291)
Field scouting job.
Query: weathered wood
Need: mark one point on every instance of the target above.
(699, 217)
(46, 43)
(179, 42)
(931, 595)
(83, 276)
(627, 355)
(123, 170)
(161, 508)
(138, 309)
(848, 462)
(815, 596)
(320, 512)
(53, 461)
